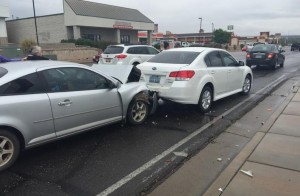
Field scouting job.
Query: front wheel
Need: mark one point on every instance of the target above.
(205, 100)
(9, 149)
(246, 86)
(137, 112)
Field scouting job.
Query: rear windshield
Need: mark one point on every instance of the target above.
(3, 71)
(113, 50)
(175, 57)
(262, 48)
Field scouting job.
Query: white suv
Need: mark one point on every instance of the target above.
(127, 54)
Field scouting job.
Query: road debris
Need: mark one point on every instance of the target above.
(219, 159)
(166, 116)
(269, 109)
(248, 173)
(262, 123)
(180, 154)
(237, 145)
(154, 123)
(220, 189)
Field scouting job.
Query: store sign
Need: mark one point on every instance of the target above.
(230, 27)
(122, 25)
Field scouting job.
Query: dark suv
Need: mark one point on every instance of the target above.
(295, 46)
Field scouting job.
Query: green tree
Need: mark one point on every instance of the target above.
(221, 37)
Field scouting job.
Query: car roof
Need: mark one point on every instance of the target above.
(20, 68)
(195, 49)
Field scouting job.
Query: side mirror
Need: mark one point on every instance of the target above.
(241, 63)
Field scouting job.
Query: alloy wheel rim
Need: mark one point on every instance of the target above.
(6, 150)
(206, 99)
(247, 84)
(139, 111)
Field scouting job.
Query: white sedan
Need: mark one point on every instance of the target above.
(196, 75)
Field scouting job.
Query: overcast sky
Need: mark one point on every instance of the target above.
(249, 17)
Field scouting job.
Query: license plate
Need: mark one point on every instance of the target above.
(154, 79)
(259, 56)
(107, 60)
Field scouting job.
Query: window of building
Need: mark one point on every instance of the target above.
(92, 37)
(125, 39)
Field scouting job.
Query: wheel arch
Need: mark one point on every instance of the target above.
(17, 133)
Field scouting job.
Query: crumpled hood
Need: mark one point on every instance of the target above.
(121, 72)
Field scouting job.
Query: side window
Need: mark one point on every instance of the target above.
(73, 79)
(207, 61)
(141, 50)
(215, 59)
(228, 60)
(29, 84)
(131, 51)
(152, 51)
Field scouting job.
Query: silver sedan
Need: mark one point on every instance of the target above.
(41, 101)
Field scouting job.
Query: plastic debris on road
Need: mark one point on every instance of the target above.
(248, 173)
(180, 154)
(220, 189)
(219, 159)
(154, 123)
(262, 123)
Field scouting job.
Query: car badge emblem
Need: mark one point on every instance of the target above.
(154, 68)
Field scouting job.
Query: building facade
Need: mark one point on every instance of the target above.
(4, 13)
(83, 19)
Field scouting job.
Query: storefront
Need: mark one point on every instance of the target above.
(83, 19)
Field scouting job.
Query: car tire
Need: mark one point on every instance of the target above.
(246, 85)
(282, 64)
(205, 100)
(137, 112)
(9, 149)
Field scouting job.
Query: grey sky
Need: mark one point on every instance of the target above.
(249, 17)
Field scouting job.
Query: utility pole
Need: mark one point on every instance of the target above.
(200, 28)
(36, 33)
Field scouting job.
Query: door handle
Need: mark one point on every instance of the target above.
(66, 102)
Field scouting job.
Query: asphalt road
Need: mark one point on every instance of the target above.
(126, 160)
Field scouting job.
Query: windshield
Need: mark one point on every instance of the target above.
(113, 50)
(175, 57)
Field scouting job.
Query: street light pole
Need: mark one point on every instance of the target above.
(36, 33)
(212, 27)
(200, 28)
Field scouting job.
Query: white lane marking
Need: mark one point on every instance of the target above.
(147, 165)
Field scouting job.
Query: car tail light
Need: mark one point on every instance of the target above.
(248, 55)
(121, 56)
(270, 55)
(182, 75)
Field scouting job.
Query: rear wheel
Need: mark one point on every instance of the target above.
(9, 149)
(205, 100)
(246, 86)
(137, 112)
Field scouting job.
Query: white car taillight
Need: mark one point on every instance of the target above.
(182, 75)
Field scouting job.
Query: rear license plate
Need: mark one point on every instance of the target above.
(107, 60)
(259, 56)
(154, 79)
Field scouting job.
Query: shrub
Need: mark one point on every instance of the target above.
(242, 46)
(86, 42)
(27, 44)
(234, 47)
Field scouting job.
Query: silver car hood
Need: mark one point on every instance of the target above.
(121, 72)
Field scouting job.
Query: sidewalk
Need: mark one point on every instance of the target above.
(270, 158)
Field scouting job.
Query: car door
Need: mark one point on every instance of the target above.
(234, 72)
(218, 72)
(80, 99)
(25, 105)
